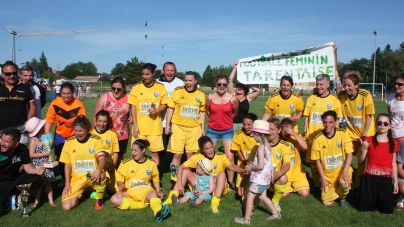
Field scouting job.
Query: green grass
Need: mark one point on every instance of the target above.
(296, 211)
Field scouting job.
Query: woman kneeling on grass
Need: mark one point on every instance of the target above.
(376, 190)
(219, 162)
(134, 187)
(260, 174)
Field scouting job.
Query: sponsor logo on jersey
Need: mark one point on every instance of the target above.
(214, 166)
(292, 146)
(278, 155)
(156, 94)
(292, 106)
(108, 141)
(359, 107)
(148, 171)
(198, 99)
(333, 161)
(329, 106)
(91, 150)
(339, 144)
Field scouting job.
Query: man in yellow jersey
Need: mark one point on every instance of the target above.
(281, 151)
(297, 180)
(332, 150)
(244, 144)
(316, 105)
(285, 103)
(358, 110)
(219, 162)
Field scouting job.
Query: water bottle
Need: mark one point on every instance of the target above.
(11, 202)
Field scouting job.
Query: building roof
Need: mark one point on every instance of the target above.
(87, 78)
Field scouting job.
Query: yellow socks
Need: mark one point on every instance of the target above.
(214, 204)
(315, 174)
(168, 200)
(359, 173)
(279, 190)
(155, 205)
(100, 189)
(173, 168)
(130, 204)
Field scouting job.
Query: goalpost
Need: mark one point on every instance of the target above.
(379, 89)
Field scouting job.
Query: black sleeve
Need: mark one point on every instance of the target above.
(24, 154)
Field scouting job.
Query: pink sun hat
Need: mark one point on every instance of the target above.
(33, 126)
(261, 126)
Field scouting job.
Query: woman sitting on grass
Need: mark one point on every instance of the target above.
(134, 187)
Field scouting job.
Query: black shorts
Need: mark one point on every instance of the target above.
(376, 193)
(123, 145)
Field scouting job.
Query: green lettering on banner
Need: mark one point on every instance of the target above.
(310, 60)
(278, 75)
(305, 71)
(321, 70)
(279, 62)
(257, 74)
(299, 60)
(286, 73)
(330, 71)
(317, 59)
(268, 74)
(247, 74)
(314, 71)
(252, 64)
(324, 59)
(286, 61)
(298, 70)
(292, 61)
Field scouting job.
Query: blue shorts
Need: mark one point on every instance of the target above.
(257, 188)
(206, 197)
(226, 135)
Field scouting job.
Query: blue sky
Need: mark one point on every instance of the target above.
(195, 33)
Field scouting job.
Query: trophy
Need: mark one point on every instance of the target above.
(26, 210)
(47, 140)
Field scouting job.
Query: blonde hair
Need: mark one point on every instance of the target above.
(264, 139)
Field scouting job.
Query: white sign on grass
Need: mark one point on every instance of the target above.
(302, 65)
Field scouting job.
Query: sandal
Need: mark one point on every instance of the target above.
(400, 205)
(242, 221)
(274, 217)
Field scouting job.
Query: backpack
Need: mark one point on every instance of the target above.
(43, 94)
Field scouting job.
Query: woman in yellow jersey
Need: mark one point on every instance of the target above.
(186, 119)
(281, 151)
(134, 177)
(284, 103)
(148, 99)
(110, 141)
(358, 110)
(219, 162)
(316, 104)
(84, 158)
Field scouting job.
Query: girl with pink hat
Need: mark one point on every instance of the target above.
(40, 155)
(260, 175)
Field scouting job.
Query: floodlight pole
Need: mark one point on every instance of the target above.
(145, 40)
(374, 65)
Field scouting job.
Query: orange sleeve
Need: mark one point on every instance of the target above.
(51, 114)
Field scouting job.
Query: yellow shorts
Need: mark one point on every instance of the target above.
(78, 187)
(139, 194)
(184, 137)
(156, 142)
(294, 186)
(333, 190)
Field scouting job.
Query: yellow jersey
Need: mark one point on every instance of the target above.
(332, 152)
(82, 156)
(355, 112)
(187, 106)
(137, 175)
(110, 141)
(143, 98)
(219, 162)
(296, 170)
(245, 143)
(281, 154)
(285, 107)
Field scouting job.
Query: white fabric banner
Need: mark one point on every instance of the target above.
(302, 65)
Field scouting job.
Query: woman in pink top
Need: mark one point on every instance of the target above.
(115, 102)
(222, 108)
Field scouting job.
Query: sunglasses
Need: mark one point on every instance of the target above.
(380, 123)
(399, 84)
(11, 73)
(116, 88)
(220, 84)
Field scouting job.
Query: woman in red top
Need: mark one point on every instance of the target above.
(222, 108)
(379, 180)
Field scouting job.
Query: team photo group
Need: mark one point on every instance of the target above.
(215, 142)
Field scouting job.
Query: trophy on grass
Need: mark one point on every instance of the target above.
(25, 209)
(47, 140)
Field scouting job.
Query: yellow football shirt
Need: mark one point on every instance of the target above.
(355, 112)
(296, 171)
(332, 153)
(285, 107)
(244, 143)
(143, 98)
(219, 162)
(281, 154)
(110, 141)
(187, 106)
(82, 156)
(137, 175)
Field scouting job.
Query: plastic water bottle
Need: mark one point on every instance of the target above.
(11, 202)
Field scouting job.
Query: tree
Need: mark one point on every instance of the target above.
(42, 64)
(79, 69)
(33, 63)
(133, 71)
(118, 69)
(207, 78)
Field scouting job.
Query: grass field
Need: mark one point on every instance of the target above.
(296, 211)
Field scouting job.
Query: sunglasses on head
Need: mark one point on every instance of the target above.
(380, 123)
(116, 88)
(399, 84)
(11, 73)
(220, 84)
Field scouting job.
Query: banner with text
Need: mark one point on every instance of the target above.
(302, 65)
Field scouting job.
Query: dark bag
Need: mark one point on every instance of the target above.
(43, 94)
